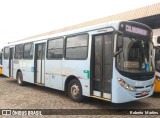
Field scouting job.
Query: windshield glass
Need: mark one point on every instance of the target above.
(135, 56)
(157, 58)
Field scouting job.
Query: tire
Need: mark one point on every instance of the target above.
(75, 90)
(20, 79)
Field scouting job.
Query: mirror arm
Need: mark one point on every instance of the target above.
(115, 54)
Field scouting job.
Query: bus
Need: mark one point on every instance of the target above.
(156, 59)
(0, 63)
(108, 61)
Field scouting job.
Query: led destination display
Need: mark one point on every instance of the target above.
(136, 30)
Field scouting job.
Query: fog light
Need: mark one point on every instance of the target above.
(131, 88)
(158, 78)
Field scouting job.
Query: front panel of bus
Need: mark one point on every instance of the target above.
(133, 70)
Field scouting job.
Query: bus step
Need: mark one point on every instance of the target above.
(105, 99)
(40, 84)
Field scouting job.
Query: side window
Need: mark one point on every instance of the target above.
(55, 49)
(28, 51)
(108, 43)
(18, 52)
(6, 53)
(77, 47)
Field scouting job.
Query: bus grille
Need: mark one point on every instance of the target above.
(141, 87)
(138, 94)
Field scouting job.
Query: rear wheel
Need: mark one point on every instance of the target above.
(75, 90)
(20, 79)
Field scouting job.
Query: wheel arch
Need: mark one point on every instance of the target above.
(68, 79)
(19, 70)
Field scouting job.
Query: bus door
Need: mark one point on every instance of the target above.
(11, 62)
(101, 65)
(40, 63)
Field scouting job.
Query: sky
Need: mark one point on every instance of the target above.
(23, 18)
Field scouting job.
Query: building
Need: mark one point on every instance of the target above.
(149, 15)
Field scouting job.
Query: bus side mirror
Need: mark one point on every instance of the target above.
(120, 41)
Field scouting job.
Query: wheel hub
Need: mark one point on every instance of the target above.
(75, 90)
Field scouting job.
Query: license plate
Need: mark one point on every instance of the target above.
(143, 93)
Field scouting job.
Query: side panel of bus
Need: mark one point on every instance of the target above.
(54, 74)
(11, 62)
(18, 59)
(53, 64)
(28, 63)
(6, 67)
(39, 63)
(27, 71)
(6, 61)
(65, 58)
(77, 61)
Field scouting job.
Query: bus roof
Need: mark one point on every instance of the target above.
(83, 27)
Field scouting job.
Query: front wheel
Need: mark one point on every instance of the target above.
(75, 90)
(20, 79)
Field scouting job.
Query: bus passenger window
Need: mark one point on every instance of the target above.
(18, 52)
(77, 47)
(6, 53)
(28, 51)
(55, 48)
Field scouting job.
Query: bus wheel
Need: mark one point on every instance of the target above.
(75, 90)
(19, 78)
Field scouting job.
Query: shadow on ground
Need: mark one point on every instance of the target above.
(156, 95)
(100, 104)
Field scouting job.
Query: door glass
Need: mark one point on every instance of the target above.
(108, 56)
(98, 63)
(39, 56)
(43, 51)
(103, 56)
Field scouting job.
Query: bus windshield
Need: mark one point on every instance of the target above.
(157, 59)
(134, 57)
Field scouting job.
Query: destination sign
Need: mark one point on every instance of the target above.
(136, 30)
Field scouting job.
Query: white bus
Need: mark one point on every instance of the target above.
(0, 62)
(109, 61)
(156, 59)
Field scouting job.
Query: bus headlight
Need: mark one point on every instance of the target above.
(158, 78)
(125, 85)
